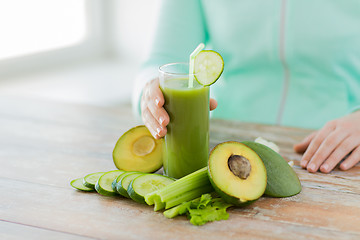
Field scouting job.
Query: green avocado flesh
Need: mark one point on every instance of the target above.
(282, 180)
(137, 150)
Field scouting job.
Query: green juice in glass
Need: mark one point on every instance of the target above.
(187, 139)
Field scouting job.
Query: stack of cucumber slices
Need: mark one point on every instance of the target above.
(130, 184)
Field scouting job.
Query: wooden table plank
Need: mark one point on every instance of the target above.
(92, 215)
(43, 145)
(10, 231)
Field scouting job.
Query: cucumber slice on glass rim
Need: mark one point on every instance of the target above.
(147, 183)
(208, 67)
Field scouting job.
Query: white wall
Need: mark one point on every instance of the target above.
(134, 24)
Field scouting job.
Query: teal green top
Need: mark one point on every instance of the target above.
(287, 62)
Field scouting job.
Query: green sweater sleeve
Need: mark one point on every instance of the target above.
(180, 28)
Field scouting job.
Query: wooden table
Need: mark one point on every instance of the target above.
(44, 145)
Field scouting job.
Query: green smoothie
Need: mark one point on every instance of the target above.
(187, 139)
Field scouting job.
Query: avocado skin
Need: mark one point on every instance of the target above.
(282, 181)
(227, 198)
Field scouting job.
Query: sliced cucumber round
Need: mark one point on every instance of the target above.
(147, 183)
(91, 179)
(78, 184)
(116, 180)
(114, 183)
(208, 67)
(119, 178)
(125, 181)
(103, 185)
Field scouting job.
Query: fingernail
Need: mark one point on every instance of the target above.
(343, 166)
(157, 102)
(325, 167)
(161, 120)
(158, 130)
(303, 163)
(311, 167)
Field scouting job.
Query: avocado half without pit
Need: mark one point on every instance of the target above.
(237, 173)
(137, 150)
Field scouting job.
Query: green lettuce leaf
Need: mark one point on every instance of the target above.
(201, 210)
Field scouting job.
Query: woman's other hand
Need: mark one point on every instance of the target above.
(325, 148)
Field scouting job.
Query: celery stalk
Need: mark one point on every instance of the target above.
(187, 196)
(184, 186)
(189, 182)
(158, 204)
(182, 190)
(173, 212)
(149, 198)
(178, 210)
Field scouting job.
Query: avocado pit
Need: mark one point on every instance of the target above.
(239, 166)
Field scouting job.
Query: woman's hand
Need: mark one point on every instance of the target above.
(153, 113)
(325, 148)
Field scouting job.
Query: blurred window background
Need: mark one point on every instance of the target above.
(80, 51)
(28, 28)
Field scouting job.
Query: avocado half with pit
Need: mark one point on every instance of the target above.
(138, 150)
(237, 173)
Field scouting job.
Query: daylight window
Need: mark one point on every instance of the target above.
(29, 27)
